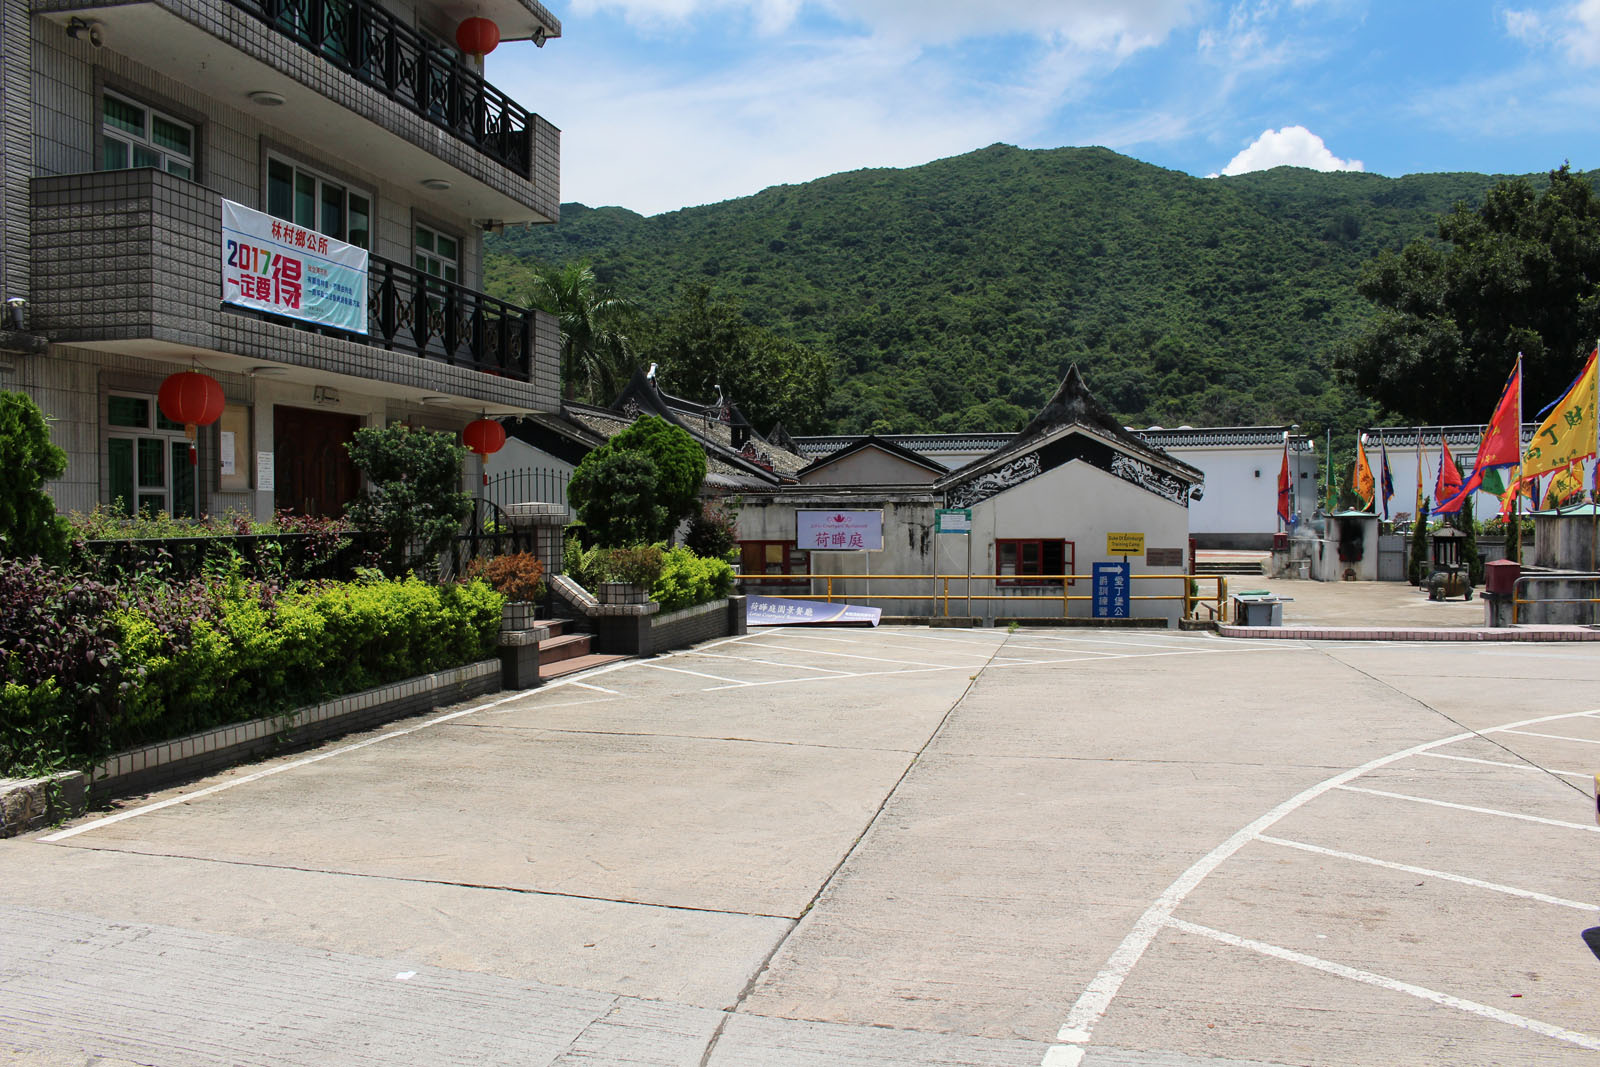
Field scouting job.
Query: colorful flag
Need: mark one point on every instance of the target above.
(1568, 432)
(1361, 479)
(1386, 477)
(1449, 483)
(1501, 444)
(1283, 484)
(1566, 487)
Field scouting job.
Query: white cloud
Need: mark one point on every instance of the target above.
(1118, 26)
(1292, 146)
(1574, 29)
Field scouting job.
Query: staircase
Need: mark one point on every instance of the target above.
(1248, 568)
(562, 653)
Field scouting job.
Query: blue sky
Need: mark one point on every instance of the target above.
(670, 103)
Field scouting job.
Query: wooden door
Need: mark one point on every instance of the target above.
(315, 473)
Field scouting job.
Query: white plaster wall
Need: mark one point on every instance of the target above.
(1241, 486)
(871, 466)
(1079, 503)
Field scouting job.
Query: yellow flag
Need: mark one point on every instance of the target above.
(1362, 482)
(1567, 484)
(1568, 432)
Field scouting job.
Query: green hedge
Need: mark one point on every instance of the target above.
(687, 579)
(189, 656)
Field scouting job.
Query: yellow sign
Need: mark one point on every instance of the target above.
(1124, 544)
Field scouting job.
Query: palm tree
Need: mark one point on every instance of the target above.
(596, 356)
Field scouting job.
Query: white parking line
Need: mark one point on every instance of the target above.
(1514, 766)
(1395, 985)
(1468, 807)
(871, 659)
(1530, 894)
(772, 663)
(863, 674)
(1096, 998)
(1555, 737)
(680, 670)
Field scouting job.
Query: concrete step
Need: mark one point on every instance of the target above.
(1229, 567)
(565, 646)
(574, 664)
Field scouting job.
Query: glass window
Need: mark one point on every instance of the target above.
(1017, 559)
(147, 467)
(438, 255)
(307, 199)
(128, 411)
(136, 136)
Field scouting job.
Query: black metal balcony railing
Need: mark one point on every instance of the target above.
(412, 311)
(371, 44)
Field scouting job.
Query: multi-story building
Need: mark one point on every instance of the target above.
(129, 131)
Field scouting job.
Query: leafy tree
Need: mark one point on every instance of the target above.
(639, 485)
(29, 525)
(1417, 569)
(1469, 544)
(596, 354)
(414, 493)
(1520, 273)
(704, 342)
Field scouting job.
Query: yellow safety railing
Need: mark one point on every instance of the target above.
(1518, 600)
(941, 595)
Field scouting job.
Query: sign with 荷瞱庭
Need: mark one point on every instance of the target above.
(839, 531)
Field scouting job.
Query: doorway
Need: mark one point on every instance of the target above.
(315, 474)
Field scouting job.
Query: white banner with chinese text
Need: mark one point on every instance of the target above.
(278, 267)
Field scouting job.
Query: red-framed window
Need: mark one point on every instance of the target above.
(1021, 560)
(773, 557)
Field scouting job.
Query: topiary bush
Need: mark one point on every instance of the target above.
(639, 485)
(414, 494)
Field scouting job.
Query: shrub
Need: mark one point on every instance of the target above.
(29, 525)
(59, 667)
(415, 495)
(687, 579)
(713, 533)
(640, 484)
(517, 576)
(636, 565)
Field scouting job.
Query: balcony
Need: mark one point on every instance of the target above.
(130, 262)
(369, 43)
(345, 80)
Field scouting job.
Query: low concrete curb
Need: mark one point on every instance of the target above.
(1412, 633)
(33, 803)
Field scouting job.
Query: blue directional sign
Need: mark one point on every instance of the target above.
(1111, 585)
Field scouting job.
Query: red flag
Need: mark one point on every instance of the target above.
(1501, 444)
(1449, 483)
(1283, 485)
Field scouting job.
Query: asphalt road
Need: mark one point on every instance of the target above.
(853, 847)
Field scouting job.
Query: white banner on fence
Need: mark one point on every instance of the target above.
(839, 531)
(777, 611)
(275, 266)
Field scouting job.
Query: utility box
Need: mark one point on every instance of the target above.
(1257, 609)
(1500, 576)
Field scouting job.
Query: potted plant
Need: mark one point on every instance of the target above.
(627, 574)
(519, 577)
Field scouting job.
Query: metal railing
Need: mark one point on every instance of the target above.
(412, 311)
(370, 43)
(939, 593)
(1518, 600)
(528, 484)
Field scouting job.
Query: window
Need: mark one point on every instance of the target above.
(147, 460)
(307, 199)
(438, 255)
(1019, 562)
(774, 557)
(138, 136)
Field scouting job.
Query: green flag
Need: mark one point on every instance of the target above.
(1493, 484)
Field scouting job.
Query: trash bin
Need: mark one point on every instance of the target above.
(1257, 608)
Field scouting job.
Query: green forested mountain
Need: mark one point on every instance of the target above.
(953, 295)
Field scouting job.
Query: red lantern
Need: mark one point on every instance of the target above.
(193, 399)
(485, 437)
(477, 36)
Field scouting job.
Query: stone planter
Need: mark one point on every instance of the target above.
(518, 615)
(622, 593)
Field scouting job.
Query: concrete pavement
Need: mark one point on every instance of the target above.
(898, 846)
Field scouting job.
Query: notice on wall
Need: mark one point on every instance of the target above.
(954, 520)
(265, 469)
(275, 266)
(1163, 557)
(226, 452)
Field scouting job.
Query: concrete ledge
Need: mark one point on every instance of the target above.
(1110, 624)
(141, 769)
(29, 803)
(1398, 633)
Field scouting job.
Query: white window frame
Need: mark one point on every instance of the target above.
(146, 140)
(323, 180)
(152, 430)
